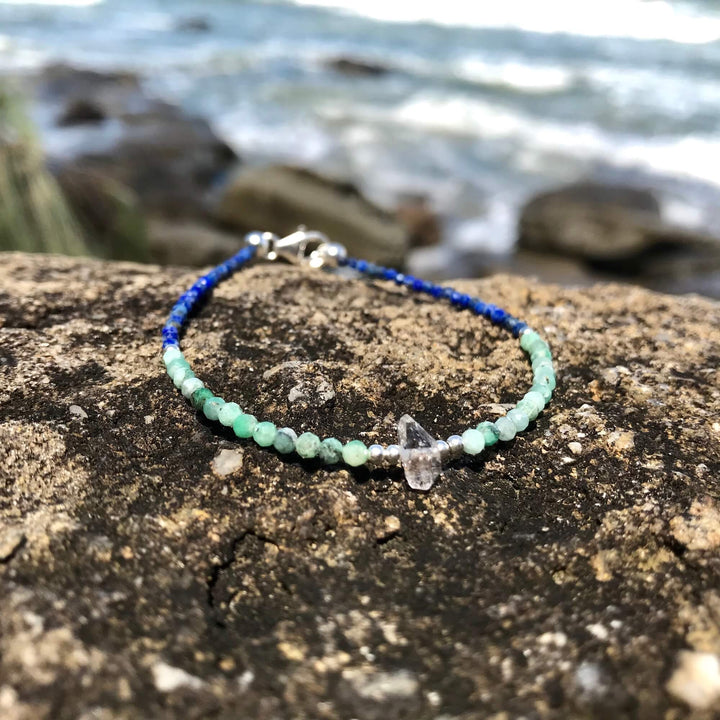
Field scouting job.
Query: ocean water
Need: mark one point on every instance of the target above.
(485, 103)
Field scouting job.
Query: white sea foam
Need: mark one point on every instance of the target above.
(637, 19)
(513, 74)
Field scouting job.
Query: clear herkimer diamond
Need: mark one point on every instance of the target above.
(419, 454)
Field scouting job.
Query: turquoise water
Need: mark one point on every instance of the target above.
(485, 103)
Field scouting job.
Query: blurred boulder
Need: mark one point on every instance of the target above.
(420, 221)
(279, 198)
(81, 112)
(189, 243)
(619, 231)
(590, 221)
(169, 159)
(356, 67)
(195, 24)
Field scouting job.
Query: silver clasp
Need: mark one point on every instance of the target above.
(311, 247)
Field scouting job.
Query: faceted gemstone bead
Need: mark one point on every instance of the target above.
(200, 396)
(180, 375)
(540, 352)
(190, 386)
(419, 454)
(212, 407)
(543, 389)
(264, 434)
(489, 431)
(285, 440)
(330, 451)
(544, 377)
(506, 428)
(473, 441)
(244, 425)
(528, 339)
(229, 413)
(519, 419)
(307, 445)
(535, 401)
(355, 453)
(176, 364)
(542, 363)
(172, 353)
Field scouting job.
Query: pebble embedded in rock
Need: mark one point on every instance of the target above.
(227, 461)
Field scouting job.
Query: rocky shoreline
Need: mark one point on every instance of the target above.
(148, 182)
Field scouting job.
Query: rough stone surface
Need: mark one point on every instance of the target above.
(533, 581)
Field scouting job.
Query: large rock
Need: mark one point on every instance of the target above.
(152, 566)
(169, 159)
(279, 198)
(618, 228)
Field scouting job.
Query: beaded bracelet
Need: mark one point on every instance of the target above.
(419, 453)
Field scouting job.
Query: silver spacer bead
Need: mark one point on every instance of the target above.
(263, 241)
(328, 254)
(444, 449)
(376, 455)
(455, 443)
(392, 454)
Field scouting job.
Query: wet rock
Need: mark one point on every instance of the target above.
(280, 198)
(189, 243)
(618, 232)
(196, 24)
(356, 67)
(588, 220)
(421, 222)
(171, 160)
(81, 112)
(138, 579)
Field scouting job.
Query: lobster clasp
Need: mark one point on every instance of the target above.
(310, 247)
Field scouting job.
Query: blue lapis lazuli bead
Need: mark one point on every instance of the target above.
(399, 279)
(436, 291)
(361, 266)
(498, 315)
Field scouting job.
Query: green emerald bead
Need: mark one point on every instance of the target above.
(285, 440)
(229, 413)
(200, 396)
(543, 389)
(536, 401)
(545, 378)
(528, 339)
(489, 431)
(172, 353)
(190, 385)
(519, 419)
(244, 425)
(264, 434)
(181, 375)
(355, 453)
(173, 366)
(505, 428)
(473, 441)
(212, 407)
(308, 445)
(540, 353)
(525, 407)
(330, 451)
(542, 363)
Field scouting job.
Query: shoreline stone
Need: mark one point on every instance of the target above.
(138, 580)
